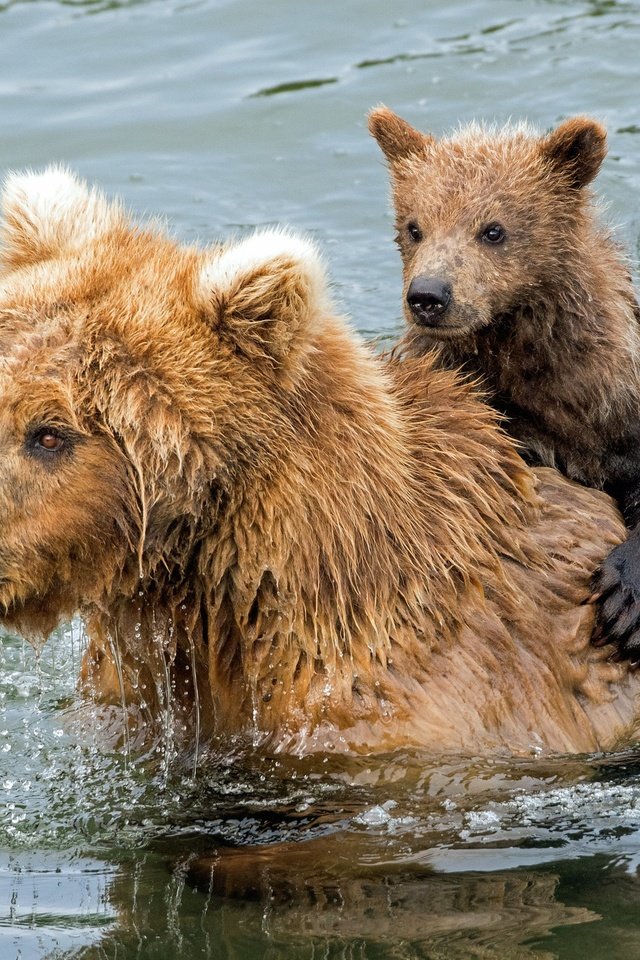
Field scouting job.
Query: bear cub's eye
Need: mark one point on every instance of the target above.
(494, 233)
(414, 231)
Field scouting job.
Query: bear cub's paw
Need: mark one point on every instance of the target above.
(616, 588)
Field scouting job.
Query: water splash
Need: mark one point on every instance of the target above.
(165, 688)
(117, 659)
(196, 701)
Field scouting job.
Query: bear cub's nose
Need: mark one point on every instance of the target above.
(428, 299)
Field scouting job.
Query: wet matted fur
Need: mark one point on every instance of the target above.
(509, 273)
(264, 524)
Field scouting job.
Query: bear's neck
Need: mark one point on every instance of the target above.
(336, 573)
(343, 566)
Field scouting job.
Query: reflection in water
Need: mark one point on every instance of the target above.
(44, 900)
(312, 858)
(462, 917)
(397, 856)
(311, 900)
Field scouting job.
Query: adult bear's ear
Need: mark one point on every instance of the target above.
(50, 213)
(262, 292)
(576, 150)
(396, 138)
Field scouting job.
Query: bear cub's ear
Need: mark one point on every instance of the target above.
(50, 213)
(263, 291)
(576, 149)
(396, 138)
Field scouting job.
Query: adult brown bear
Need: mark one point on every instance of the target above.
(267, 528)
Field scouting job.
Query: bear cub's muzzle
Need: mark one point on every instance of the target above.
(428, 299)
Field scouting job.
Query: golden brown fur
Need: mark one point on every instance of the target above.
(286, 537)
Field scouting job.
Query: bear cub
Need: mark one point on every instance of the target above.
(508, 272)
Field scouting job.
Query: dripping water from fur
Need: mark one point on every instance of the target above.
(115, 649)
(196, 701)
(165, 703)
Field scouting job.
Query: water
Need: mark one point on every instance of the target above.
(222, 115)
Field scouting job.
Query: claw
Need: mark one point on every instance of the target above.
(616, 590)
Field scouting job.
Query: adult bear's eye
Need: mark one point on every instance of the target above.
(50, 441)
(494, 233)
(414, 231)
(46, 441)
